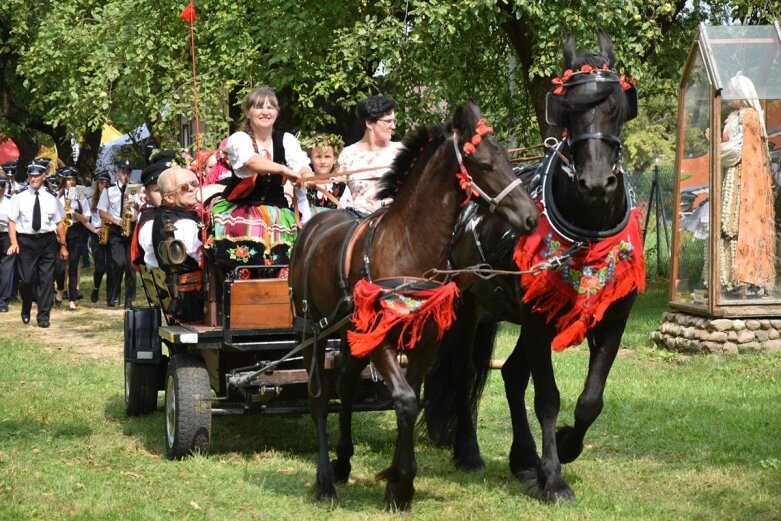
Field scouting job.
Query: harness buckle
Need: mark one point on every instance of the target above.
(304, 306)
(322, 323)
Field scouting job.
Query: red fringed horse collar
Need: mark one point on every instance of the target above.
(594, 277)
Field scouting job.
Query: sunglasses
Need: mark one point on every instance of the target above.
(186, 187)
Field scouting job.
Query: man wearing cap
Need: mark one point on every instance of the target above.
(141, 249)
(179, 187)
(9, 169)
(35, 229)
(6, 261)
(100, 253)
(111, 207)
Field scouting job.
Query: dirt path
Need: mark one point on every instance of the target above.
(93, 330)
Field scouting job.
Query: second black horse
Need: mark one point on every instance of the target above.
(590, 268)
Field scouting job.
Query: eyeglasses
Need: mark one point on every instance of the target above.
(391, 122)
(186, 187)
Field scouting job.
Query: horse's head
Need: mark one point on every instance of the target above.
(592, 101)
(493, 181)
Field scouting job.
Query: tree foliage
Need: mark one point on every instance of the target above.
(72, 65)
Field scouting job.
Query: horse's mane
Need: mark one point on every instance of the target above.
(417, 146)
(572, 102)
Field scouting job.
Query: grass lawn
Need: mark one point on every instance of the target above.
(681, 437)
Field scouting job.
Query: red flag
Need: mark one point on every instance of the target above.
(188, 13)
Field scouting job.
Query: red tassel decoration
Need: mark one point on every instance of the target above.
(374, 322)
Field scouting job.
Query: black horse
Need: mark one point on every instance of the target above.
(586, 198)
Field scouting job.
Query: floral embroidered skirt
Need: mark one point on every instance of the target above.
(248, 235)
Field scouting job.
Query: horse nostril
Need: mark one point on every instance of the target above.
(611, 182)
(583, 185)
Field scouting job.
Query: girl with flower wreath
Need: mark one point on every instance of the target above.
(324, 149)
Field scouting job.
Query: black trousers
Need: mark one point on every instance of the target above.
(101, 255)
(120, 257)
(37, 257)
(75, 240)
(7, 268)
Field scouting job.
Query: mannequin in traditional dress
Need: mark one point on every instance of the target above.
(748, 237)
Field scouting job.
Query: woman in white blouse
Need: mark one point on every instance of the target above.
(373, 154)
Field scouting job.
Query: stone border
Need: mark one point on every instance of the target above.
(694, 334)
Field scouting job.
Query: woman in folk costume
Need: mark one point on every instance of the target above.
(747, 247)
(254, 214)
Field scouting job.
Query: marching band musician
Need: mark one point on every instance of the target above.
(6, 261)
(9, 169)
(76, 233)
(100, 252)
(179, 188)
(111, 207)
(142, 251)
(35, 229)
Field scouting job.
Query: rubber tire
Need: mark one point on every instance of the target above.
(140, 388)
(188, 410)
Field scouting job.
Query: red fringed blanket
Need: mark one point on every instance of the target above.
(377, 311)
(592, 279)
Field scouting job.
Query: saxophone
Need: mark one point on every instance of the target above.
(67, 221)
(105, 227)
(129, 212)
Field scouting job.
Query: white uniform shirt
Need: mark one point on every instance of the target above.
(85, 210)
(5, 207)
(21, 212)
(145, 242)
(111, 200)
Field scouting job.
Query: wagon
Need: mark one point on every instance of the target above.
(244, 359)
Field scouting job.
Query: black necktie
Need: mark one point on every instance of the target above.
(122, 200)
(37, 213)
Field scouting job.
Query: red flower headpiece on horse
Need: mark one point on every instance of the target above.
(561, 81)
(464, 179)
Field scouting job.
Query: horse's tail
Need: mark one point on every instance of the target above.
(440, 398)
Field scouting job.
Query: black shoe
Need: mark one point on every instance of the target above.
(128, 304)
(113, 303)
(25, 318)
(79, 295)
(57, 303)
(3, 307)
(43, 323)
(94, 296)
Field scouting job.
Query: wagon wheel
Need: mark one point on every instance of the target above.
(140, 388)
(188, 413)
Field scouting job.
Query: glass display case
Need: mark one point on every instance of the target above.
(727, 230)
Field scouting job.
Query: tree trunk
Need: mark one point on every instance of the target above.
(88, 151)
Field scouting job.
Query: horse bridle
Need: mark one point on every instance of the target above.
(472, 188)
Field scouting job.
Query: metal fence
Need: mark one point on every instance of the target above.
(655, 194)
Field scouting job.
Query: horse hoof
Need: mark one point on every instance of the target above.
(558, 492)
(470, 464)
(341, 471)
(398, 498)
(569, 445)
(529, 480)
(324, 494)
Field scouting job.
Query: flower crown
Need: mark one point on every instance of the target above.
(182, 158)
(323, 140)
(560, 81)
